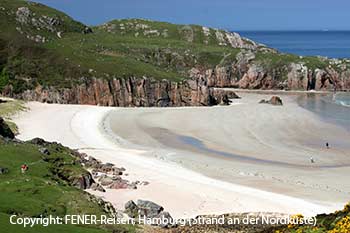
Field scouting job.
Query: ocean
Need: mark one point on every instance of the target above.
(332, 44)
(333, 108)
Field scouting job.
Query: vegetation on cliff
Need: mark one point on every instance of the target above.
(40, 46)
(8, 108)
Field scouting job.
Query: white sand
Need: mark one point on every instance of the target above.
(184, 193)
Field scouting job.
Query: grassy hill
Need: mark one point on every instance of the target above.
(45, 189)
(58, 51)
(40, 45)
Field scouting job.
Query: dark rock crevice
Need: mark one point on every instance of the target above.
(5, 130)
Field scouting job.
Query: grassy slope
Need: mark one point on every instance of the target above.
(60, 62)
(9, 109)
(44, 189)
(120, 48)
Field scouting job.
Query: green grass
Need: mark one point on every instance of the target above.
(38, 191)
(9, 109)
(124, 51)
(64, 62)
(45, 189)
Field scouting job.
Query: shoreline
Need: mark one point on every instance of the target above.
(288, 92)
(79, 127)
(280, 137)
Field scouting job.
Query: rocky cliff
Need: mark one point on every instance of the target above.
(131, 92)
(247, 72)
(47, 56)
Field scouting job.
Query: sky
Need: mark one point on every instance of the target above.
(226, 14)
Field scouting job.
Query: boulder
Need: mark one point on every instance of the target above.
(131, 209)
(275, 100)
(5, 130)
(38, 141)
(149, 209)
(107, 167)
(83, 182)
(92, 162)
(118, 171)
(44, 151)
(133, 185)
(87, 30)
(119, 184)
(263, 101)
(3, 170)
(144, 183)
(225, 100)
(97, 187)
(105, 180)
(166, 220)
(23, 14)
(223, 97)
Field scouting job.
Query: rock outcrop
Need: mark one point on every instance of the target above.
(223, 97)
(188, 33)
(149, 210)
(200, 90)
(106, 175)
(83, 182)
(81, 179)
(296, 76)
(3, 170)
(131, 92)
(5, 130)
(275, 100)
(31, 24)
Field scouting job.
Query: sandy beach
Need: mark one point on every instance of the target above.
(246, 157)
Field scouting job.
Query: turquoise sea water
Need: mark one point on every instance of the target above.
(342, 99)
(332, 44)
(334, 108)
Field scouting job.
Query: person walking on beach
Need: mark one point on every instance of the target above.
(327, 145)
(312, 160)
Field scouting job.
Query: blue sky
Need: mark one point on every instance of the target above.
(227, 14)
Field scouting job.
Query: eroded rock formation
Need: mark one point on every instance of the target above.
(125, 93)
(295, 76)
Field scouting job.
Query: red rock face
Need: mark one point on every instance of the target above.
(294, 77)
(197, 91)
(131, 92)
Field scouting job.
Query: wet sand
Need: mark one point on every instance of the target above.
(241, 158)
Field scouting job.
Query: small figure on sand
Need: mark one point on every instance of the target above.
(24, 168)
(312, 160)
(327, 145)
